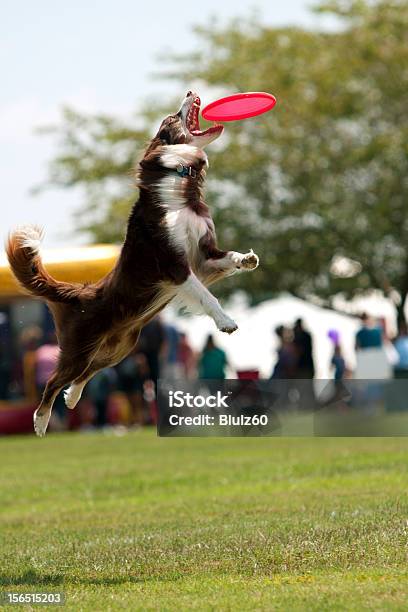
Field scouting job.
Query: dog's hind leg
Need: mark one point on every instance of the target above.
(100, 360)
(43, 412)
(72, 395)
(59, 379)
(74, 392)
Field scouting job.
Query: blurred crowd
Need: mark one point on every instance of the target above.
(378, 355)
(163, 351)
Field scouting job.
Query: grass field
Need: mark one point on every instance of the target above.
(142, 523)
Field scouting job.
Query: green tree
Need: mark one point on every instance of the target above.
(322, 177)
(97, 153)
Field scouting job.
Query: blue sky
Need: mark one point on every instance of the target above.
(95, 56)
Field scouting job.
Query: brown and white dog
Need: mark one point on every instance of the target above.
(170, 251)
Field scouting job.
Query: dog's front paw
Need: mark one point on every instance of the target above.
(250, 261)
(227, 325)
(229, 329)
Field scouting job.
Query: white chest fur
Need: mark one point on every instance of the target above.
(185, 227)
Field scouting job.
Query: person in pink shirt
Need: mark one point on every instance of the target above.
(46, 360)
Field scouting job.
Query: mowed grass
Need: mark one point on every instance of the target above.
(142, 523)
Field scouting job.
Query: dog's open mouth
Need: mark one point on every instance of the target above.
(193, 122)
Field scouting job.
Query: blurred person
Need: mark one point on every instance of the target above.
(302, 341)
(370, 335)
(388, 346)
(337, 360)
(30, 341)
(185, 357)
(372, 358)
(304, 371)
(169, 352)
(213, 361)
(396, 397)
(99, 389)
(338, 395)
(339, 364)
(149, 403)
(401, 346)
(285, 368)
(46, 357)
(151, 343)
(5, 354)
(133, 372)
(5, 374)
(286, 362)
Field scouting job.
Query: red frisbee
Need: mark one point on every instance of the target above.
(239, 106)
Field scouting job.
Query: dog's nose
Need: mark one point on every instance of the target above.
(189, 93)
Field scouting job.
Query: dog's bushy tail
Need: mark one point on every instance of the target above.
(23, 252)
